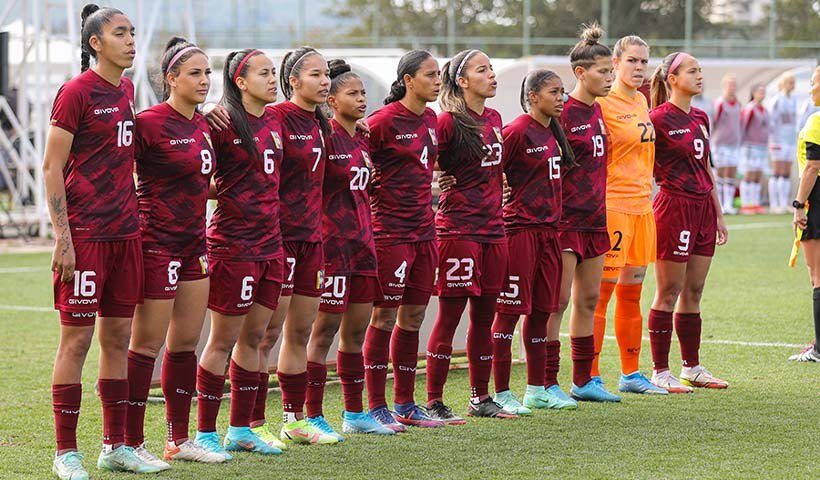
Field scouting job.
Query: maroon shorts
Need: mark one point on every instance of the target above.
(108, 279)
(584, 245)
(533, 273)
(236, 285)
(470, 269)
(304, 269)
(407, 273)
(686, 226)
(162, 273)
(342, 290)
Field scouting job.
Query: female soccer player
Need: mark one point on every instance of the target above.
(808, 157)
(688, 218)
(782, 144)
(631, 225)
(175, 162)
(472, 246)
(97, 259)
(754, 154)
(583, 236)
(244, 250)
(725, 146)
(404, 150)
(536, 152)
(351, 281)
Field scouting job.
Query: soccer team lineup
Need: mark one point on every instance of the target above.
(334, 230)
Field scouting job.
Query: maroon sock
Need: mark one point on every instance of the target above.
(210, 388)
(376, 352)
(244, 385)
(404, 348)
(480, 343)
(114, 398)
(293, 391)
(688, 326)
(583, 351)
(315, 393)
(261, 399)
(350, 367)
(503, 330)
(440, 344)
(552, 363)
(65, 401)
(178, 379)
(140, 368)
(534, 331)
(660, 338)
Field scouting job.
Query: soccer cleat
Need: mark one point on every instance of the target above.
(593, 392)
(385, 417)
(148, 457)
(303, 432)
(667, 381)
(191, 452)
(636, 383)
(439, 411)
(362, 422)
(69, 466)
(808, 354)
(321, 424)
(123, 459)
(210, 442)
(553, 397)
(242, 439)
(264, 433)
(701, 378)
(510, 403)
(597, 379)
(410, 414)
(487, 408)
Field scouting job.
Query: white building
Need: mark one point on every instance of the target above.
(739, 11)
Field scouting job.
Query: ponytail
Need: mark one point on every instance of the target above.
(92, 20)
(409, 64)
(177, 51)
(291, 66)
(467, 134)
(236, 65)
(659, 89)
(532, 83)
(586, 52)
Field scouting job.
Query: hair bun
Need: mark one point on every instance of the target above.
(592, 33)
(338, 67)
(88, 10)
(174, 41)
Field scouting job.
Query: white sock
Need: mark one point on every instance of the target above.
(774, 192)
(745, 192)
(785, 191)
(757, 195)
(288, 417)
(729, 194)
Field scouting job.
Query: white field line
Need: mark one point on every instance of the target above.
(23, 269)
(26, 308)
(737, 343)
(757, 226)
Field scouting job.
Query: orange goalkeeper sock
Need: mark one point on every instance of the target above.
(628, 325)
(600, 323)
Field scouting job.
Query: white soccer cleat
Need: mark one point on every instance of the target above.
(668, 382)
(143, 454)
(191, 452)
(808, 354)
(701, 378)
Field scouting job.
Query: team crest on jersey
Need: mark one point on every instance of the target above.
(276, 140)
(208, 138)
(367, 161)
(203, 264)
(498, 134)
(433, 138)
(705, 132)
(320, 279)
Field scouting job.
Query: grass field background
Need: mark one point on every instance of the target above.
(763, 426)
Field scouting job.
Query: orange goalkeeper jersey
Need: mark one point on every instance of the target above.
(631, 152)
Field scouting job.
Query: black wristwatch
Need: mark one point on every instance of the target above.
(798, 206)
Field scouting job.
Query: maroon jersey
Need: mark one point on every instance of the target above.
(471, 209)
(245, 225)
(404, 152)
(532, 162)
(682, 149)
(584, 187)
(346, 229)
(99, 183)
(303, 169)
(175, 161)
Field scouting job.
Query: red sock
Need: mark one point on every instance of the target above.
(350, 367)
(404, 350)
(258, 415)
(178, 379)
(480, 343)
(210, 388)
(440, 344)
(660, 338)
(114, 398)
(534, 331)
(552, 363)
(376, 352)
(503, 330)
(65, 401)
(244, 385)
(583, 351)
(140, 368)
(293, 391)
(315, 393)
(688, 326)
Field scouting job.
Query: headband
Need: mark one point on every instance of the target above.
(299, 60)
(179, 55)
(242, 63)
(464, 61)
(679, 58)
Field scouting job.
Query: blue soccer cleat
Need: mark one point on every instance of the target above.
(637, 383)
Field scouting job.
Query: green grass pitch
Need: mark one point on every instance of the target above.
(763, 426)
